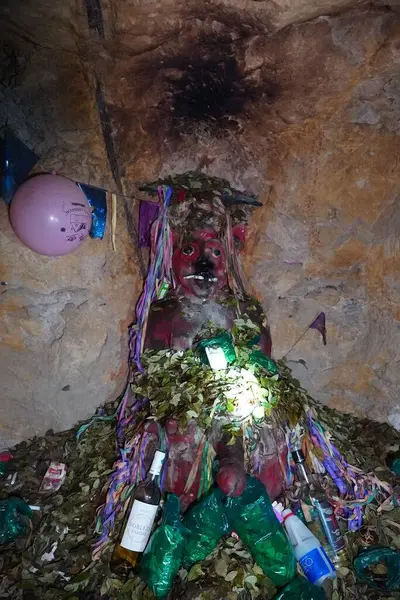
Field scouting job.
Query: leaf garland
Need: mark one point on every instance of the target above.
(179, 385)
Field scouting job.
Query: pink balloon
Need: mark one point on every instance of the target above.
(51, 215)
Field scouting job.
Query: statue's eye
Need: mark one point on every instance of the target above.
(188, 250)
(217, 252)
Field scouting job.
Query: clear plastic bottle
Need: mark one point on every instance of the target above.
(308, 551)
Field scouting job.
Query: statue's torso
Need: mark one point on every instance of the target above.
(176, 321)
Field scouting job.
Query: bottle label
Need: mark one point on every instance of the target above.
(138, 527)
(316, 564)
(216, 358)
(330, 525)
(157, 463)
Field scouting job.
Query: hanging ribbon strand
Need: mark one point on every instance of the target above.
(160, 270)
(129, 469)
(235, 273)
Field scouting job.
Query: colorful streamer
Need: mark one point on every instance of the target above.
(148, 212)
(130, 468)
(356, 488)
(159, 271)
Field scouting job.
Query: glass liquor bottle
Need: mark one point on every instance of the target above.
(321, 511)
(141, 515)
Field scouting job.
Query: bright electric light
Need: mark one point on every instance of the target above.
(245, 393)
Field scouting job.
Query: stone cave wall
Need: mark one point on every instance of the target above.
(295, 102)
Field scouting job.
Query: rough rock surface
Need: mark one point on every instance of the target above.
(306, 114)
(63, 331)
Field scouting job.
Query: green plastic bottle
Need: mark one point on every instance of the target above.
(252, 517)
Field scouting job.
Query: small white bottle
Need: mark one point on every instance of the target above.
(308, 551)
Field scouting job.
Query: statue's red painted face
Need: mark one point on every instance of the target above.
(200, 264)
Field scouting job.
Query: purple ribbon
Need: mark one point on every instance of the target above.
(148, 212)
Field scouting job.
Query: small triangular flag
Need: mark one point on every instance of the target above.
(320, 325)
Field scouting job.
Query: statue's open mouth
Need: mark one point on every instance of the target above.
(206, 277)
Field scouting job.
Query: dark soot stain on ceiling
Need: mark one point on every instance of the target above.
(212, 88)
(209, 90)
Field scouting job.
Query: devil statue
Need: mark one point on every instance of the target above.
(209, 234)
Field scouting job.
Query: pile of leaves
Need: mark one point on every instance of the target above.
(179, 385)
(194, 183)
(206, 191)
(54, 561)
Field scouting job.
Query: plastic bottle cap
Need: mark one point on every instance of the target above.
(157, 463)
(278, 506)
